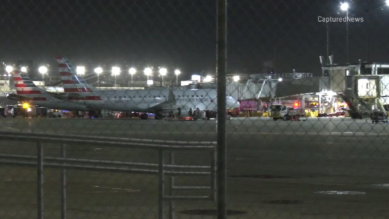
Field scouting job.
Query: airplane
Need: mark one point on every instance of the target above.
(189, 99)
(159, 100)
(27, 91)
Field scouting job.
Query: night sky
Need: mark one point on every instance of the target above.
(182, 33)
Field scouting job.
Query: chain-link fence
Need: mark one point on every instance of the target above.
(116, 109)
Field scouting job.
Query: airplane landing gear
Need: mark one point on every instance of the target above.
(158, 116)
(144, 116)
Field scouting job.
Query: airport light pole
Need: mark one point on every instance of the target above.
(344, 6)
(9, 69)
(115, 71)
(43, 70)
(23, 69)
(80, 70)
(328, 40)
(132, 71)
(98, 71)
(162, 72)
(236, 78)
(208, 79)
(177, 72)
(148, 71)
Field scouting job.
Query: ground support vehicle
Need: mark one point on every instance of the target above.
(283, 112)
(377, 117)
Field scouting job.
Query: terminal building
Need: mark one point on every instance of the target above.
(362, 88)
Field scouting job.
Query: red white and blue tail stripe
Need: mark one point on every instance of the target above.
(26, 88)
(71, 82)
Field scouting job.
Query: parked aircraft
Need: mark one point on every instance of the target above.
(27, 91)
(159, 100)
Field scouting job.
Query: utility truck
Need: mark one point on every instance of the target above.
(280, 111)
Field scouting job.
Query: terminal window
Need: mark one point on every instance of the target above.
(383, 71)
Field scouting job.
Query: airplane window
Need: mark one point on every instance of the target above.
(192, 95)
(201, 95)
(159, 96)
(164, 96)
(154, 96)
(179, 96)
(114, 96)
(197, 95)
(133, 97)
(140, 96)
(149, 96)
(187, 95)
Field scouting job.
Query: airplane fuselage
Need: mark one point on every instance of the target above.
(153, 100)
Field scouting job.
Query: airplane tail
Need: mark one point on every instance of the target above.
(71, 82)
(171, 97)
(26, 88)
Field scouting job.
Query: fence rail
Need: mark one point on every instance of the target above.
(161, 168)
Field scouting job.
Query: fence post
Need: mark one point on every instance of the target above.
(221, 70)
(40, 179)
(171, 193)
(63, 184)
(160, 184)
(213, 171)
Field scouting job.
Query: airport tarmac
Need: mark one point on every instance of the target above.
(318, 168)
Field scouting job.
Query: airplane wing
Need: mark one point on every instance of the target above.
(64, 96)
(17, 97)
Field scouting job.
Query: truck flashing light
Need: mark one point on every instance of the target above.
(25, 105)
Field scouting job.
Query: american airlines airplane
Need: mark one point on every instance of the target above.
(161, 101)
(27, 91)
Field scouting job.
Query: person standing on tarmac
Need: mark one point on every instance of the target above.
(196, 114)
